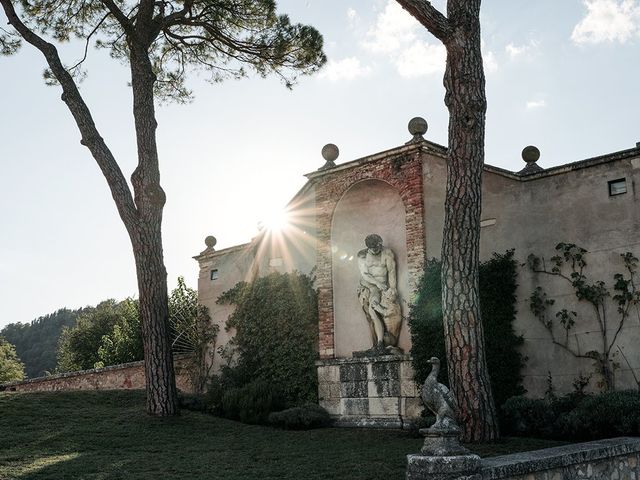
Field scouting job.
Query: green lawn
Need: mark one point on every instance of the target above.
(106, 435)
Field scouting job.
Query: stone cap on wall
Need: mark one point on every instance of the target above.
(519, 464)
(348, 361)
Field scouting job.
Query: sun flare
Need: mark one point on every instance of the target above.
(277, 221)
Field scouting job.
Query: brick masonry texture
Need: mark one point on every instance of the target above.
(128, 376)
(403, 171)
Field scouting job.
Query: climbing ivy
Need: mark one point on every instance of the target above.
(497, 303)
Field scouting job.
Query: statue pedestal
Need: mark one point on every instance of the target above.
(442, 443)
(373, 391)
(457, 467)
(443, 458)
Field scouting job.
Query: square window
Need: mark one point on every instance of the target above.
(617, 187)
(214, 274)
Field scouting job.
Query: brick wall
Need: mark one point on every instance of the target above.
(128, 376)
(402, 169)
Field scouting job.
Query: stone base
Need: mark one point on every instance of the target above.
(371, 422)
(376, 392)
(459, 467)
(441, 443)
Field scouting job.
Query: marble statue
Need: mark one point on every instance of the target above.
(378, 295)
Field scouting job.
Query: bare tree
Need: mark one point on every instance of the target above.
(465, 98)
(161, 41)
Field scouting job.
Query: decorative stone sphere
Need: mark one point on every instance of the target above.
(530, 154)
(210, 241)
(330, 152)
(418, 126)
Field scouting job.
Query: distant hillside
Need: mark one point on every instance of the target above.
(37, 342)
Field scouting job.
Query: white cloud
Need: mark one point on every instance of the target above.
(346, 69)
(534, 104)
(608, 20)
(396, 34)
(489, 62)
(352, 17)
(515, 51)
(393, 30)
(421, 59)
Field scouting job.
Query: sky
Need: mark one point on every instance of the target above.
(561, 75)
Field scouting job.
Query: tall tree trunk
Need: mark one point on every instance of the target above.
(146, 239)
(154, 311)
(465, 98)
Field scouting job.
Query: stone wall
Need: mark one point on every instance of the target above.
(369, 392)
(610, 459)
(128, 376)
(530, 213)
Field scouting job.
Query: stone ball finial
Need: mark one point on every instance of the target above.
(210, 241)
(330, 153)
(530, 154)
(418, 126)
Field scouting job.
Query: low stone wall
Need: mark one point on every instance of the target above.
(127, 376)
(370, 391)
(611, 459)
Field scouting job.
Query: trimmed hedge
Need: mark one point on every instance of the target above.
(251, 403)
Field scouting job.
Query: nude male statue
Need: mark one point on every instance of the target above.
(378, 294)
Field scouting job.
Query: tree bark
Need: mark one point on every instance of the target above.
(146, 237)
(465, 98)
(154, 312)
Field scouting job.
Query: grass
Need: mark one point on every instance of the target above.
(107, 435)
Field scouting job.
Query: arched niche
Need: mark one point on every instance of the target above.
(369, 206)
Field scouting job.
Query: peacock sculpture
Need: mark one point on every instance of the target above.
(439, 400)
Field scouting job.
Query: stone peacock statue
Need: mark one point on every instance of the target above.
(439, 400)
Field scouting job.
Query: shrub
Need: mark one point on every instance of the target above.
(610, 414)
(251, 403)
(194, 402)
(529, 417)
(276, 335)
(575, 417)
(301, 418)
(497, 303)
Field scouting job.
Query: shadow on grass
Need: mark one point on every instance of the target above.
(107, 435)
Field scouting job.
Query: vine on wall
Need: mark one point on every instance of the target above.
(569, 265)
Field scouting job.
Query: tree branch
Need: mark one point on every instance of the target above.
(430, 17)
(170, 19)
(86, 43)
(122, 19)
(90, 136)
